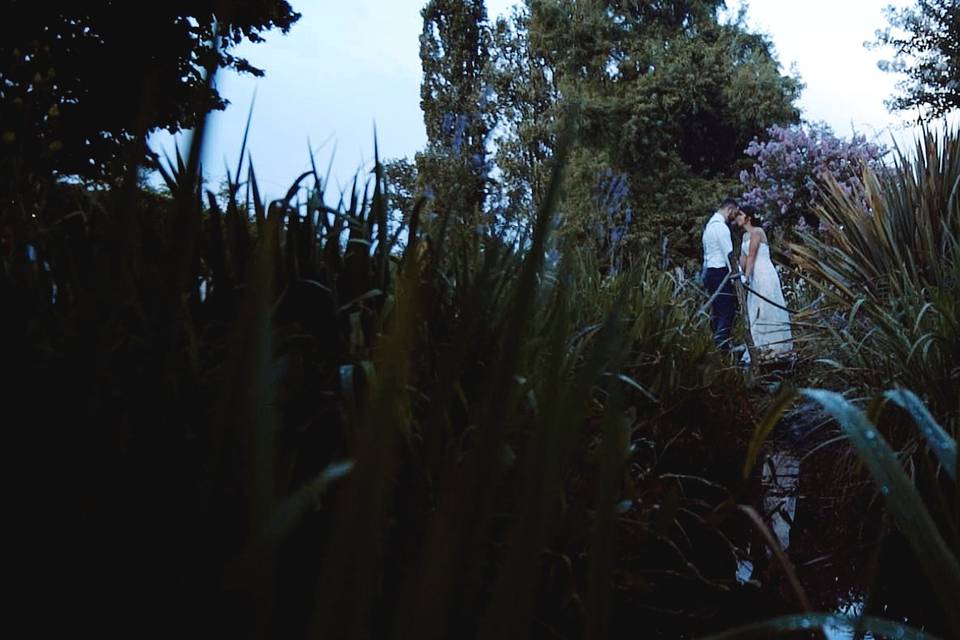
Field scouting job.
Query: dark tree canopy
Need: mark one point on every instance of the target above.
(926, 47)
(80, 81)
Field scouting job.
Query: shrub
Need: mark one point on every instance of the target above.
(791, 164)
(293, 425)
(890, 266)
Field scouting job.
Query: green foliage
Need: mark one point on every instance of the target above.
(933, 553)
(669, 98)
(929, 542)
(887, 269)
(401, 177)
(381, 418)
(527, 110)
(61, 64)
(926, 48)
(320, 431)
(944, 447)
(890, 268)
(457, 110)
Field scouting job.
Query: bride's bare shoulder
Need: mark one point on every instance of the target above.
(759, 234)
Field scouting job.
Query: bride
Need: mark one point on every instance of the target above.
(769, 324)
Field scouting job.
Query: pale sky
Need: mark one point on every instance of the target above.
(347, 66)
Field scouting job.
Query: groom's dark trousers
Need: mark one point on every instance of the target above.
(723, 308)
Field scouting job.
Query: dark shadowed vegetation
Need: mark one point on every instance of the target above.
(442, 404)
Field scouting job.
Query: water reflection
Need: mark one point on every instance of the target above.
(781, 476)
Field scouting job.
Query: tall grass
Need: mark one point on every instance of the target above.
(276, 419)
(279, 420)
(890, 266)
(933, 541)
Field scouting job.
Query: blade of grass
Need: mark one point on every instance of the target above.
(782, 558)
(944, 447)
(352, 569)
(602, 554)
(913, 519)
(813, 621)
(243, 145)
(258, 205)
(502, 393)
(246, 420)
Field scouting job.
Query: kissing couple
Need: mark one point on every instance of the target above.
(766, 315)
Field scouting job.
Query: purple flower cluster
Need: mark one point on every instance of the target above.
(454, 126)
(612, 196)
(785, 181)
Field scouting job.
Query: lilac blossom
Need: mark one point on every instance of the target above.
(455, 126)
(612, 195)
(785, 180)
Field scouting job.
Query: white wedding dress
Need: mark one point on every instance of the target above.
(769, 325)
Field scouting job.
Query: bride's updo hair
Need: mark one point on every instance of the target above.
(752, 214)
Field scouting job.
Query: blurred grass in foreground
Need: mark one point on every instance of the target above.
(278, 420)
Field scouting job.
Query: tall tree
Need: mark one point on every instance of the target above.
(457, 103)
(82, 81)
(926, 47)
(527, 99)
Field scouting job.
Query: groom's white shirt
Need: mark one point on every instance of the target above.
(717, 244)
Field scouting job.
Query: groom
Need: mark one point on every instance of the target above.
(717, 245)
